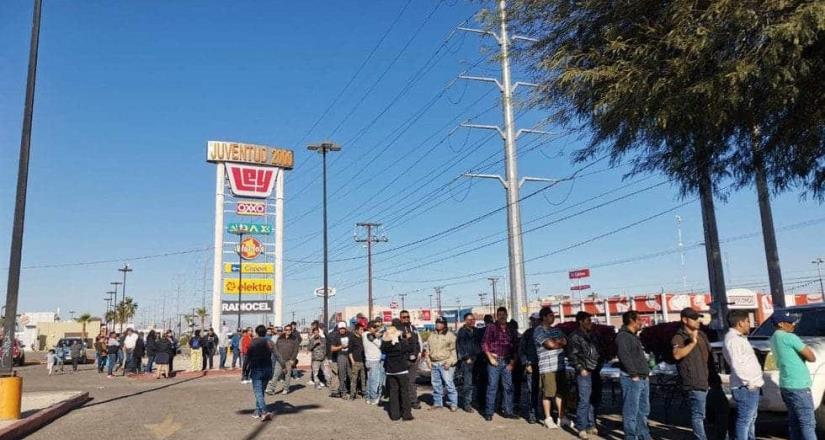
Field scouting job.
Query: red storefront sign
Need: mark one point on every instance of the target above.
(579, 273)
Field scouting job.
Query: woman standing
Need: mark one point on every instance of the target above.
(162, 355)
(100, 352)
(151, 350)
(196, 353)
(259, 358)
(398, 350)
(112, 348)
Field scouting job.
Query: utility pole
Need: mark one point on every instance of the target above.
(681, 245)
(493, 281)
(125, 269)
(438, 299)
(431, 301)
(818, 263)
(481, 296)
(369, 240)
(510, 182)
(16, 252)
(402, 295)
(536, 291)
(115, 304)
(457, 313)
(323, 148)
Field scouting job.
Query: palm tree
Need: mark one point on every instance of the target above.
(84, 319)
(201, 312)
(126, 310)
(111, 316)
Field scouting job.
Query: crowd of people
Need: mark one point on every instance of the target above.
(125, 352)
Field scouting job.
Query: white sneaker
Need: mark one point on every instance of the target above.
(549, 424)
(310, 382)
(565, 423)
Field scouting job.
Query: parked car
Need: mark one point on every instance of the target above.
(62, 349)
(811, 329)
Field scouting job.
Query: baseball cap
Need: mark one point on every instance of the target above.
(778, 317)
(535, 315)
(341, 325)
(440, 320)
(688, 312)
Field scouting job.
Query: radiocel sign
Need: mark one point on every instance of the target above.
(255, 286)
(249, 267)
(249, 228)
(250, 208)
(230, 307)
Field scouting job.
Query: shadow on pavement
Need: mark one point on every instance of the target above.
(140, 392)
(279, 408)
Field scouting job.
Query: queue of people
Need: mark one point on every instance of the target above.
(125, 353)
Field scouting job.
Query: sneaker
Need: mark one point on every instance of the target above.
(468, 409)
(435, 407)
(266, 416)
(285, 392)
(565, 423)
(321, 385)
(583, 435)
(593, 430)
(109, 376)
(310, 382)
(256, 416)
(318, 387)
(549, 423)
(453, 408)
(269, 391)
(488, 417)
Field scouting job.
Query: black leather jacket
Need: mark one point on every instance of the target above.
(584, 350)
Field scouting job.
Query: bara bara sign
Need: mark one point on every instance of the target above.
(249, 228)
(257, 286)
(264, 306)
(218, 151)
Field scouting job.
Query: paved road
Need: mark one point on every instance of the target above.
(220, 408)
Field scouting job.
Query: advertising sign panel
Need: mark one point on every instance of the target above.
(259, 286)
(249, 228)
(248, 267)
(219, 151)
(580, 287)
(250, 208)
(249, 248)
(263, 306)
(579, 273)
(250, 181)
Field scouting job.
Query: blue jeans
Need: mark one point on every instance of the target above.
(150, 363)
(440, 375)
(375, 379)
(236, 357)
(222, 357)
(260, 377)
(111, 361)
(493, 375)
(747, 404)
(636, 408)
(698, 401)
(530, 395)
(801, 421)
(465, 399)
(585, 413)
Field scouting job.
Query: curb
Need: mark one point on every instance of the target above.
(182, 374)
(28, 425)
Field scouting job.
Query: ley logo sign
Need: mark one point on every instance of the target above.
(249, 228)
(250, 181)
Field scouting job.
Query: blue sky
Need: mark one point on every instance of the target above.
(128, 94)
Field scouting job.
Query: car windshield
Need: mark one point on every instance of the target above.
(811, 323)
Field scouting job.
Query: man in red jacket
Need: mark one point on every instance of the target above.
(246, 339)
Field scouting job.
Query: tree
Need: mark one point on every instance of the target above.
(126, 310)
(84, 319)
(202, 313)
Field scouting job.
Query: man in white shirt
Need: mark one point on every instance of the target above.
(746, 374)
(129, 343)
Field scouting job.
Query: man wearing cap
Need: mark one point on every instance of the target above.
(443, 358)
(339, 346)
(794, 377)
(529, 358)
(691, 349)
(584, 352)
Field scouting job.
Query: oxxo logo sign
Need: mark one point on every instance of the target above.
(250, 208)
(250, 181)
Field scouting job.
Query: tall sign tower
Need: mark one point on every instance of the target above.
(247, 276)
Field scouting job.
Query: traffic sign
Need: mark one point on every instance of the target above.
(393, 305)
(580, 287)
(319, 292)
(579, 273)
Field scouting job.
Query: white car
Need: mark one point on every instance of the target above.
(811, 329)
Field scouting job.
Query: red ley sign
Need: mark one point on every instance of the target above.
(250, 181)
(579, 273)
(580, 287)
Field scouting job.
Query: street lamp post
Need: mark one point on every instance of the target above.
(114, 303)
(125, 269)
(240, 233)
(323, 148)
(818, 263)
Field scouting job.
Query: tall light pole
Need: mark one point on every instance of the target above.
(15, 255)
(681, 245)
(110, 302)
(239, 250)
(114, 304)
(125, 269)
(323, 148)
(818, 263)
(403, 296)
(369, 240)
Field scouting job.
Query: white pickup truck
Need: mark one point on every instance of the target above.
(811, 329)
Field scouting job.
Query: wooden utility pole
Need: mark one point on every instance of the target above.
(369, 240)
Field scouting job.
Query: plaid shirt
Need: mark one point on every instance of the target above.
(499, 341)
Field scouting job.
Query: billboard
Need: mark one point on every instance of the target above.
(254, 286)
(578, 273)
(248, 267)
(219, 151)
(250, 181)
(231, 307)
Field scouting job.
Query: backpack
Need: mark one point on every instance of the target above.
(196, 343)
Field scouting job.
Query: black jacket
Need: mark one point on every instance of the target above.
(140, 348)
(467, 344)
(397, 355)
(631, 354)
(584, 350)
(151, 347)
(163, 351)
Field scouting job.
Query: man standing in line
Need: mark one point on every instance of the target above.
(235, 344)
(550, 343)
(129, 343)
(529, 358)
(223, 340)
(634, 379)
(746, 374)
(691, 349)
(468, 348)
(584, 351)
(794, 376)
(499, 346)
(339, 345)
(442, 357)
(317, 348)
(409, 333)
(285, 355)
(375, 368)
(356, 361)
(246, 339)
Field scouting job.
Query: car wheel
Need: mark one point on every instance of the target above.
(819, 414)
